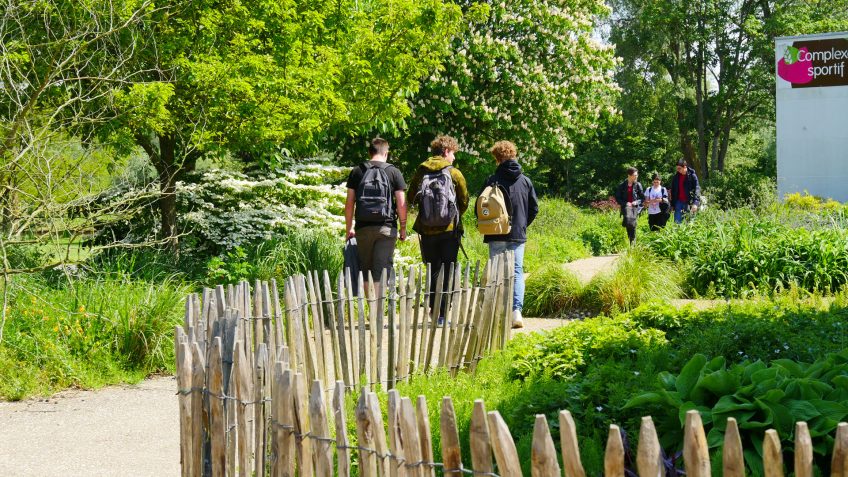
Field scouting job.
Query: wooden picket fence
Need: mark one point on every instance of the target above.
(298, 432)
(362, 332)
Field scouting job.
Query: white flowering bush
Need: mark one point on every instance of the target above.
(228, 209)
(219, 210)
(525, 70)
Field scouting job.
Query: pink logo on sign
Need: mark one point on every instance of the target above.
(793, 68)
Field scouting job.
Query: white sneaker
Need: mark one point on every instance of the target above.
(517, 319)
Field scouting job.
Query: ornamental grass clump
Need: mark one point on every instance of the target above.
(552, 292)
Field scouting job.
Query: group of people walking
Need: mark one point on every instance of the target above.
(683, 198)
(378, 198)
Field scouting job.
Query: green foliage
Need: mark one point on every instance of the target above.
(97, 331)
(758, 396)
(741, 252)
(606, 235)
(639, 277)
(551, 291)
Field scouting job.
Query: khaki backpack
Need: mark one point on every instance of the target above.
(493, 212)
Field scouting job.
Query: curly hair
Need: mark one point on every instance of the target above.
(504, 151)
(443, 143)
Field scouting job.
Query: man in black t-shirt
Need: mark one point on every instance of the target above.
(376, 199)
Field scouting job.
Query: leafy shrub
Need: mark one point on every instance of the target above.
(809, 202)
(552, 291)
(739, 187)
(605, 236)
(741, 252)
(758, 396)
(639, 276)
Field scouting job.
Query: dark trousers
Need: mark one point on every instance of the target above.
(657, 221)
(439, 251)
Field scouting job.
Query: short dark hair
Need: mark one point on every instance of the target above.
(631, 171)
(682, 163)
(378, 146)
(656, 177)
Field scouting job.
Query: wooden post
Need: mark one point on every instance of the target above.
(306, 465)
(351, 324)
(451, 455)
(504, 447)
(360, 314)
(772, 456)
(218, 422)
(419, 307)
(279, 327)
(434, 318)
(375, 417)
(198, 384)
(184, 389)
(425, 436)
(614, 455)
(543, 459)
(395, 299)
(317, 327)
(696, 457)
(259, 422)
(365, 438)
(839, 461)
(371, 369)
(284, 447)
(342, 441)
(570, 449)
(649, 456)
(241, 389)
(409, 436)
(481, 444)
(450, 310)
(312, 358)
(321, 431)
(381, 310)
(295, 345)
(733, 463)
(396, 443)
(340, 333)
(803, 451)
(327, 298)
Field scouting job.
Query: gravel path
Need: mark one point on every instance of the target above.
(587, 268)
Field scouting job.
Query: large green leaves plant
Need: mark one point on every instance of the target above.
(758, 396)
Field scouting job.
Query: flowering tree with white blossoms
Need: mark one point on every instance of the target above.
(525, 70)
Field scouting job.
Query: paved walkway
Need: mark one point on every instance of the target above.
(587, 268)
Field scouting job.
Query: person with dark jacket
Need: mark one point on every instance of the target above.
(685, 193)
(440, 243)
(524, 207)
(630, 195)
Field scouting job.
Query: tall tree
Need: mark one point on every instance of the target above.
(246, 78)
(718, 55)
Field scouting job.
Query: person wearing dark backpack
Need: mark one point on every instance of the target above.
(440, 197)
(630, 195)
(375, 202)
(523, 206)
(656, 198)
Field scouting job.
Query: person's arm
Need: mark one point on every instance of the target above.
(639, 195)
(532, 204)
(696, 197)
(350, 203)
(400, 202)
(461, 188)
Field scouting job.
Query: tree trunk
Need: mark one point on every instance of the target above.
(700, 124)
(725, 141)
(167, 169)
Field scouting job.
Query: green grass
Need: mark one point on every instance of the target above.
(552, 292)
(89, 333)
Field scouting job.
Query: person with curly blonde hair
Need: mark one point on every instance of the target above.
(524, 206)
(441, 197)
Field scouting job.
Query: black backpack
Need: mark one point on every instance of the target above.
(664, 206)
(374, 195)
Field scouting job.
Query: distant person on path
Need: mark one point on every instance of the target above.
(630, 195)
(523, 207)
(441, 197)
(375, 202)
(656, 198)
(685, 191)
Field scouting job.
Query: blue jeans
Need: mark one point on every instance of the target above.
(679, 208)
(496, 248)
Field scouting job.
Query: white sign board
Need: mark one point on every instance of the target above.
(812, 115)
